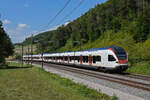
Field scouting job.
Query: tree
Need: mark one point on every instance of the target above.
(6, 46)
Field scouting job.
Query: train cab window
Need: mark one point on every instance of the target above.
(111, 58)
(98, 58)
(94, 59)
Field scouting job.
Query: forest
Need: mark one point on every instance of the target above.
(124, 23)
(6, 46)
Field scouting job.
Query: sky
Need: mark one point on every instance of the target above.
(22, 18)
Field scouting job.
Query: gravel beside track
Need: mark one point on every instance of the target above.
(111, 88)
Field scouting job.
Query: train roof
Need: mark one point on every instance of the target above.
(89, 50)
(96, 49)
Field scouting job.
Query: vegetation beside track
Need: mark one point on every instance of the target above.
(26, 83)
(140, 68)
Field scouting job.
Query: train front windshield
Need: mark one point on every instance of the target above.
(120, 52)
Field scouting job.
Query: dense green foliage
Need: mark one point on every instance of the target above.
(122, 23)
(6, 47)
(140, 68)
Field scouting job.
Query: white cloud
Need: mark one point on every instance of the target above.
(26, 5)
(22, 26)
(6, 21)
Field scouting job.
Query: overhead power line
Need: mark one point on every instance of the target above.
(72, 11)
(58, 13)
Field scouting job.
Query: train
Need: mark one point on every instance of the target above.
(107, 59)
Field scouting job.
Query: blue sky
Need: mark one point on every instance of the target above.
(21, 18)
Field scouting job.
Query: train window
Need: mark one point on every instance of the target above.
(94, 59)
(111, 58)
(98, 58)
(76, 58)
(66, 58)
(71, 58)
(86, 59)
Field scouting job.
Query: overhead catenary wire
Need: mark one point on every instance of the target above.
(53, 19)
(72, 11)
(57, 14)
(66, 4)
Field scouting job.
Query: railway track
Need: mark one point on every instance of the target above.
(136, 76)
(127, 82)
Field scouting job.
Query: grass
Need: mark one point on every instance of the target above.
(17, 83)
(140, 68)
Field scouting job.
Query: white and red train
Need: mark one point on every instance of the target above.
(107, 59)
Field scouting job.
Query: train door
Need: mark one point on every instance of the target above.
(56, 59)
(81, 59)
(104, 59)
(90, 60)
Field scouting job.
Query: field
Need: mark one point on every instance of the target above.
(25, 83)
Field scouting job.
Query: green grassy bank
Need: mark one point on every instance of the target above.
(140, 68)
(17, 83)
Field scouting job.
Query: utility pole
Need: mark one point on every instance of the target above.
(138, 8)
(80, 45)
(42, 54)
(31, 49)
(143, 4)
(28, 53)
(43, 46)
(22, 54)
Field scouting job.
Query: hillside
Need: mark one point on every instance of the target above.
(123, 23)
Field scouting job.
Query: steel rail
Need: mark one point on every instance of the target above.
(136, 76)
(131, 83)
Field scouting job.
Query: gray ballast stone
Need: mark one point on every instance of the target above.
(94, 85)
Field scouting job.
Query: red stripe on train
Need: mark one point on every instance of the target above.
(122, 61)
